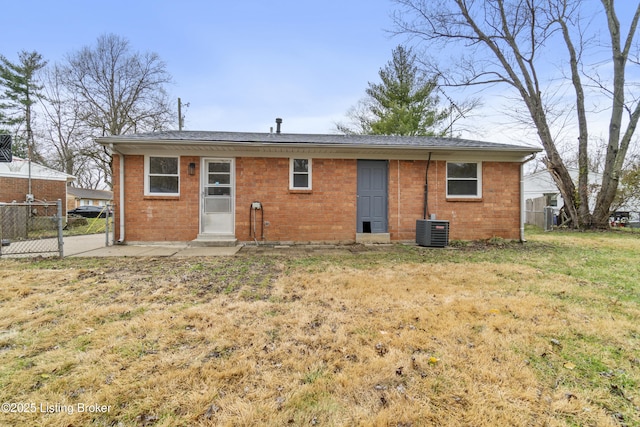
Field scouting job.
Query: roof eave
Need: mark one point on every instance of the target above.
(134, 143)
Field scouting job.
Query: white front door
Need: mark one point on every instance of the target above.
(218, 197)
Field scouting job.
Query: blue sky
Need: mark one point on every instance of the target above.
(238, 64)
(241, 64)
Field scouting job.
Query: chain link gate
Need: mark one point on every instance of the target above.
(28, 229)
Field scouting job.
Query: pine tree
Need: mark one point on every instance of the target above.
(402, 104)
(20, 92)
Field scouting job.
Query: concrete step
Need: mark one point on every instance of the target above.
(372, 238)
(214, 240)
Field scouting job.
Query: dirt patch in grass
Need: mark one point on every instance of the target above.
(402, 337)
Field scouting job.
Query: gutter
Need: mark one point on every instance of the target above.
(522, 201)
(138, 144)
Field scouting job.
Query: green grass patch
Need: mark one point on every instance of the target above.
(537, 333)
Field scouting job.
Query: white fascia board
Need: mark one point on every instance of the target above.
(343, 151)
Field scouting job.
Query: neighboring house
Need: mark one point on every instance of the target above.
(274, 187)
(47, 185)
(87, 197)
(541, 184)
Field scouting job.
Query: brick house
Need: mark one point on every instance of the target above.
(77, 197)
(47, 185)
(223, 187)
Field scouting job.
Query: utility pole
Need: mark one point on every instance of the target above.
(180, 116)
(29, 197)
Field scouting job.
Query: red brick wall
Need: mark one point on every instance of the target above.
(327, 213)
(406, 182)
(496, 214)
(42, 189)
(157, 218)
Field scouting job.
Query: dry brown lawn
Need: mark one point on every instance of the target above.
(400, 337)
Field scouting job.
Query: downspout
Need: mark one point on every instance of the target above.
(425, 207)
(121, 197)
(522, 200)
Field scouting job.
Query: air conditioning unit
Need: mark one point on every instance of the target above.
(431, 232)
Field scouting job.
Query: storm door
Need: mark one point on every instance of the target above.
(217, 202)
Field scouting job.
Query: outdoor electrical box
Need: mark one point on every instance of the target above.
(256, 205)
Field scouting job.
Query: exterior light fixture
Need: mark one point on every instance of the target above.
(192, 168)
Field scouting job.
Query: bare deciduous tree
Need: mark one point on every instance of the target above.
(359, 119)
(68, 145)
(509, 42)
(119, 91)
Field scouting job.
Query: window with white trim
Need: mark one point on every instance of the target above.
(464, 179)
(300, 174)
(162, 175)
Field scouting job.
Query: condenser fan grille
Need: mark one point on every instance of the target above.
(432, 233)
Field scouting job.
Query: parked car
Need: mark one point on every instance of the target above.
(89, 211)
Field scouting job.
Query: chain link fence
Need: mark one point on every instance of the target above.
(28, 229)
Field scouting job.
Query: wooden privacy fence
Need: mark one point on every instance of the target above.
(537, 213)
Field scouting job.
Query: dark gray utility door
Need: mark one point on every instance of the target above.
(372, 196)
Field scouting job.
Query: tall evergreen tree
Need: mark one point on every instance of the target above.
(20, 91)
(403, 103)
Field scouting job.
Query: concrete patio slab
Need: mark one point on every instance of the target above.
(94, 246)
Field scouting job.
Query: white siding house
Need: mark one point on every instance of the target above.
(540, 184)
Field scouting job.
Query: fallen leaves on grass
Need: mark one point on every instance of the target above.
(228, 342)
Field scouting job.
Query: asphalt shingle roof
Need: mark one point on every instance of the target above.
(88, 193)
(314, 139)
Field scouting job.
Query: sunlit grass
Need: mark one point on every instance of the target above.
(87, 226)
(484, 333)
